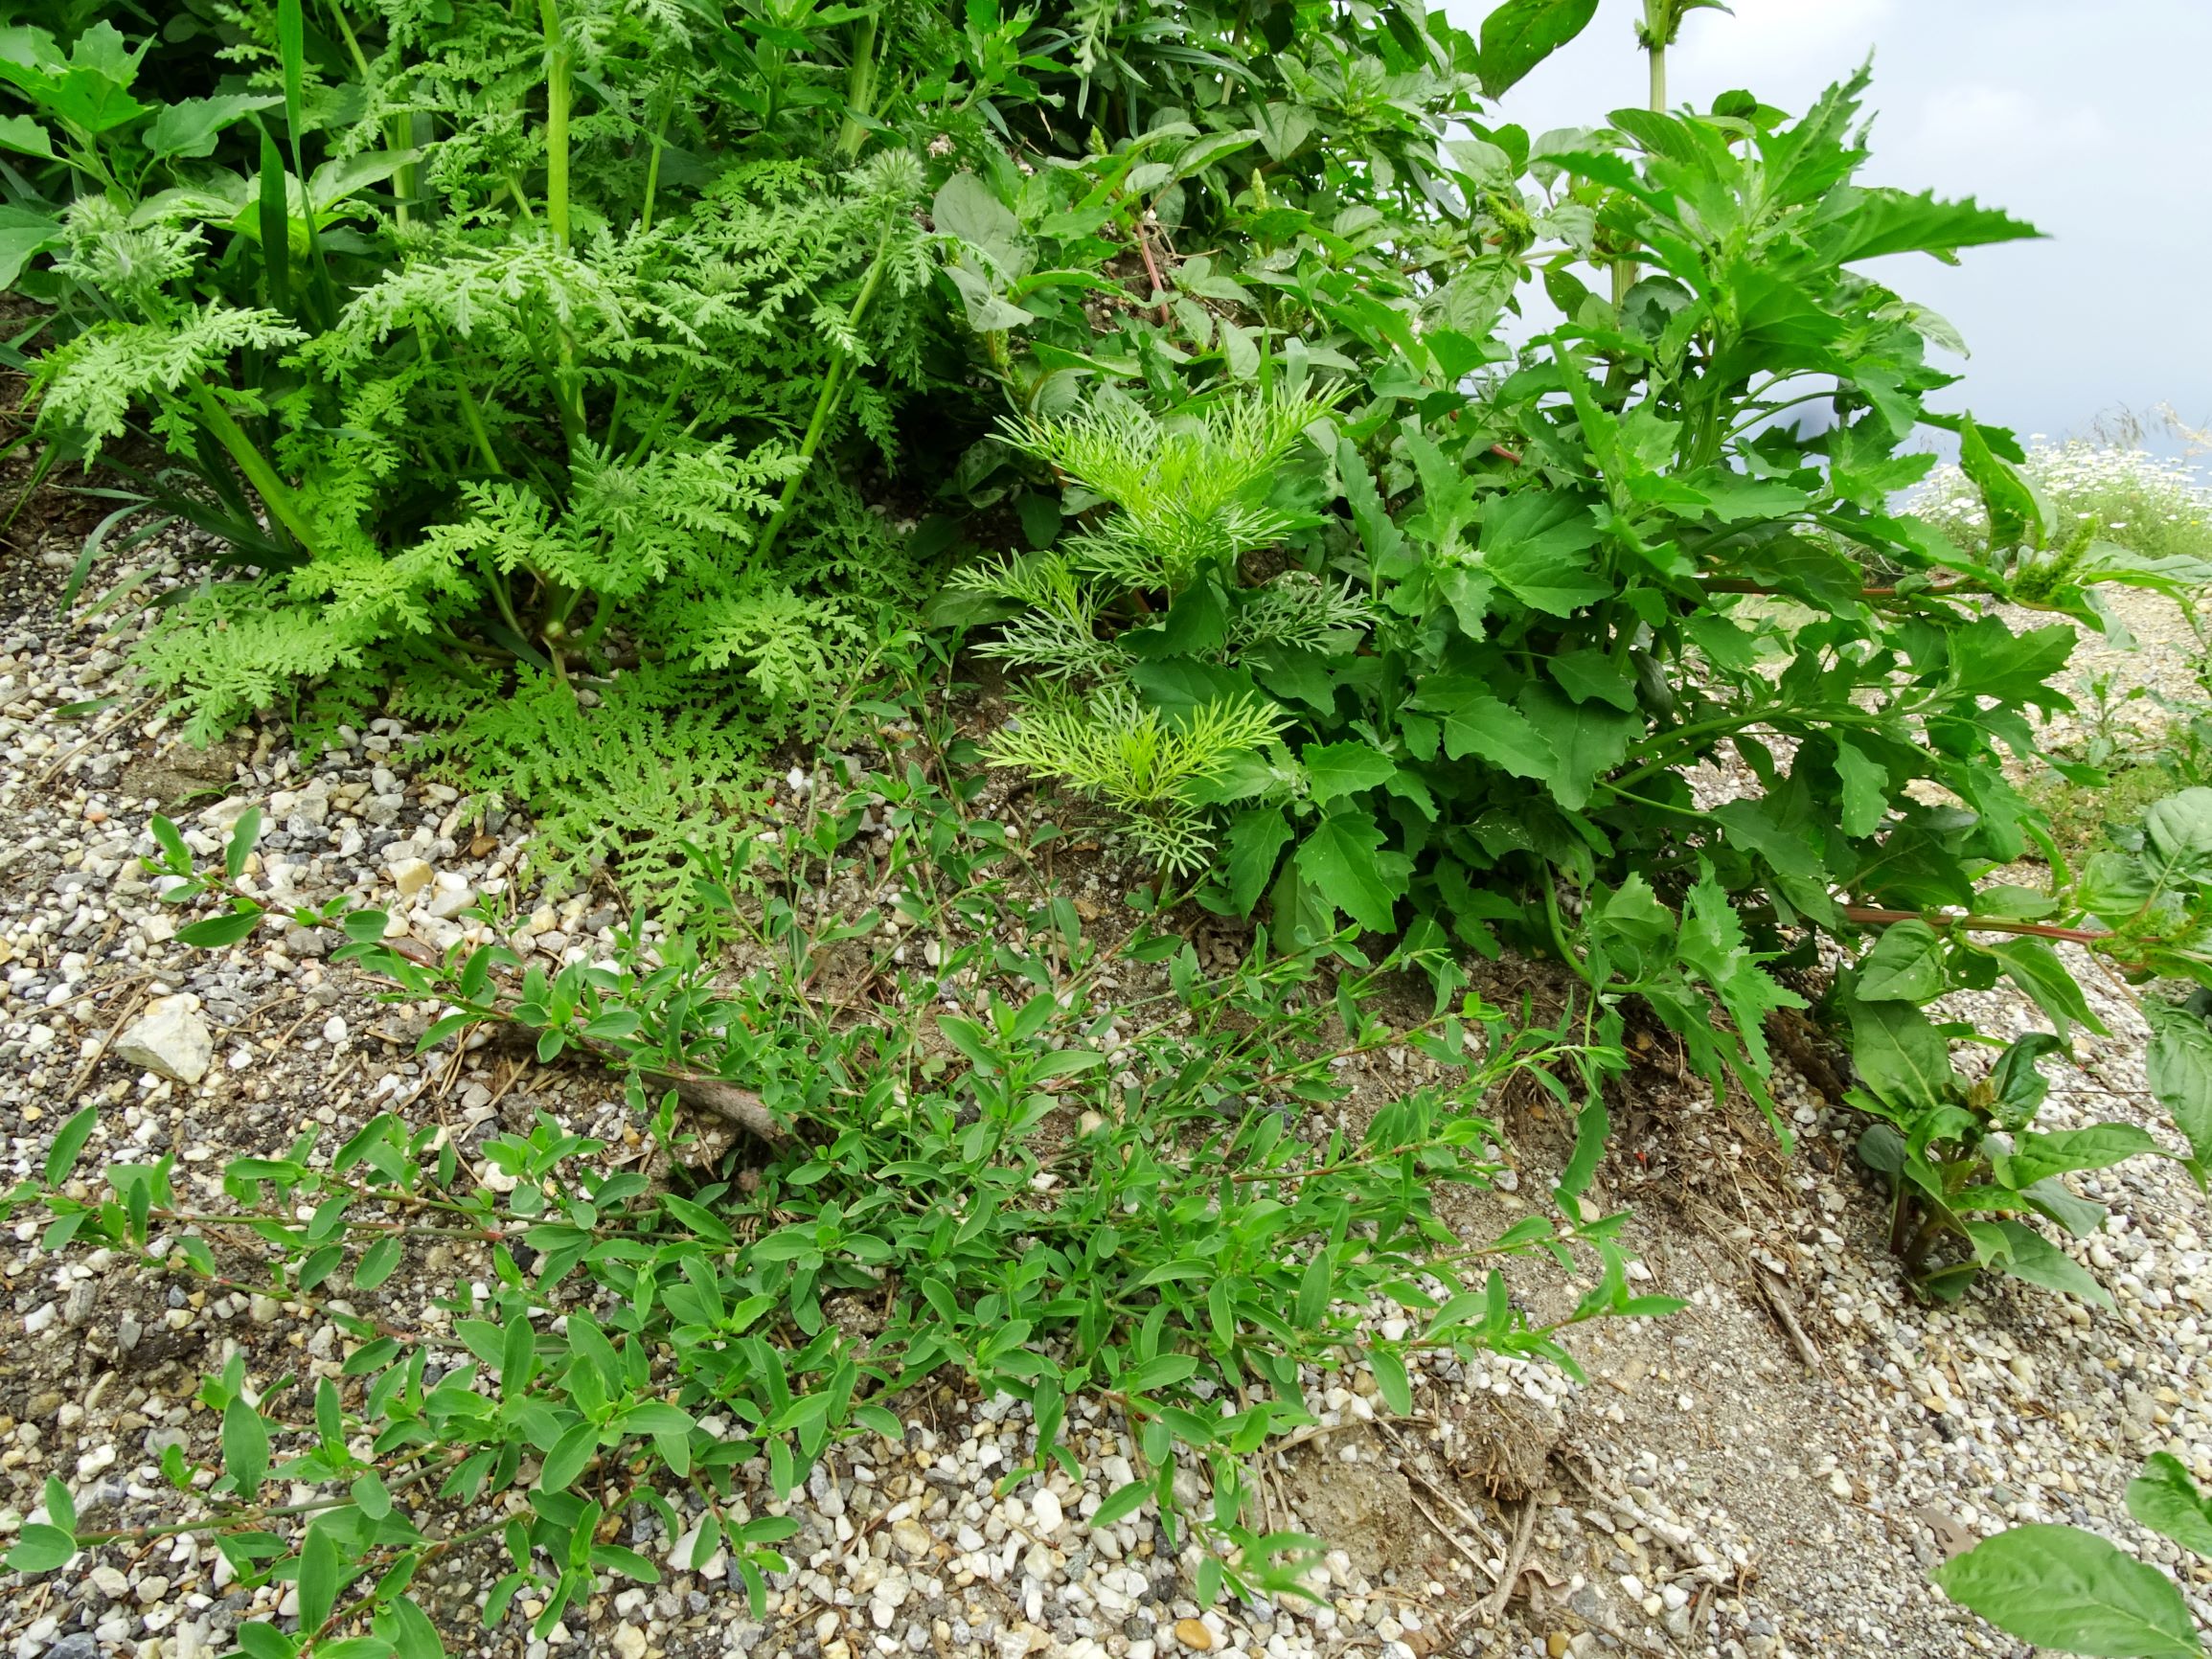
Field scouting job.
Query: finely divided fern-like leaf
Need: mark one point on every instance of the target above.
(663, 763)
(1136, 761)
(88, 385)
(1187, 488)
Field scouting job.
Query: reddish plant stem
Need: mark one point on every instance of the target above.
(1152, 269)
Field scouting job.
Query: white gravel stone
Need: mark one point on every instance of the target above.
(170, 1040)
(1045, 1513)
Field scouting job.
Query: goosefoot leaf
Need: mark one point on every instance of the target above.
(1522, 33)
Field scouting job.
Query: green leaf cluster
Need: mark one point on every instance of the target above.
(1057, 1194)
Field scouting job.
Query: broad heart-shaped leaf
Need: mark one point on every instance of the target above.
(1344, 768)
(1478, 723)
(1344, 860)
(966, 207)
(2180, 1072)
(2069, 1590)
(1900, 1056)
(1284, 128)
(1536, 545)
(1522, 33)
(1904, 966)
(2166, 1500)
(2037, 1261)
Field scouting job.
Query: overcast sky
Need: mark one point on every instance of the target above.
(2093, 121)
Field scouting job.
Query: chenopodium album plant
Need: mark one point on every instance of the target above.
(1963, 1156)
(1525, 618)
(981, 1189)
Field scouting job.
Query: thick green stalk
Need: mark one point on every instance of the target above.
(859, 91)
(568, 394)
(557, 91)
(832, 384)
(1663, 21)
(276, 495)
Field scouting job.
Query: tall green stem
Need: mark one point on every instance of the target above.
(859, 91)
(396, 128)
(568, 393)
(832, 384)
(1662, 22)
(556, 90)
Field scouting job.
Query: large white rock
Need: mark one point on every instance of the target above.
(169, 1039)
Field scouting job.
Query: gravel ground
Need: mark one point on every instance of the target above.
(1719, 1486)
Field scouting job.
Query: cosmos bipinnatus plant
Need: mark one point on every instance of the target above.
(1119, 625)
